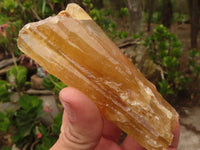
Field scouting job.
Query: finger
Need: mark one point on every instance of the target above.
(82, 122)
(111, 131)
(175, 141)
(130, 144)
(106, 144)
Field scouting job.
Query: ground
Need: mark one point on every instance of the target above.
(190, 129)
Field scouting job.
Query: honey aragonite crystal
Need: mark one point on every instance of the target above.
(72, 47)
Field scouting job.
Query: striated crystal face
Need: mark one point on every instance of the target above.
(73, 48)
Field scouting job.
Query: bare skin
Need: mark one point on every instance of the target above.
(83, 127)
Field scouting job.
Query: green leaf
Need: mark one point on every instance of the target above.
(5, 91)
(4, 122)
(6, 148)
(165, 88)
(46, 143)
(55, 127)
(30, 102)
(59, 86)
(43, 8)
(193, 53)
(10, 4)
(43, 130)
(47, 83)
(17, 75)
(21, 76)
(170, 62)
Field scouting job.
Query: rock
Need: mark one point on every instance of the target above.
(38, 92)
(190, 129)
(50, 107)
(37, 82)
(192, 117)
(88, 60)
(15, 97)
(3, 71)
(7, 62)
(189, 140)
(8, 106)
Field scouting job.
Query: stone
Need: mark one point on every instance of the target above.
(50, 108)
(189, 140)
(7, 62)
(37, 82)
(38, 92)
(3, 71)
(72, 47)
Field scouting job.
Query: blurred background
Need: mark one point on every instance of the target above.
(161, 37)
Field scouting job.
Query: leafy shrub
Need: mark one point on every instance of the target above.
(17, 77)
(25, 124)
(193, 66)
(165, 50)
(124, 12)
(4, 122)
(180, 17)
(26, 118)
(5, 91)
(49, 135)
(52, 83)
(104, 20)
(156, 17)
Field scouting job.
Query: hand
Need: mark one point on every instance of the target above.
(83, 127)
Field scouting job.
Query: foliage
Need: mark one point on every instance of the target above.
(103, 19)
(180, 17)
(156, 17)
(26, 118)
(5, 91)
(14, 14)
(4, 122)
(193, 66)
(52, 83)
(25, 123)
(49, 135)
(17, 76)
(165, 50)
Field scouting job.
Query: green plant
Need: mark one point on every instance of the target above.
(52, 83)
(165, 50)
(193, 65)
(4, 122)
(26, 118)
(156, 17)
(8, 36)
(5, 91)
(17, 77)
(103, 19)
(49, 135)
(124, 12)
(6, 148)
(25, 124)
(122, 34)
(180, 17)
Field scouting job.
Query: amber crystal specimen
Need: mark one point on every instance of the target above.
(72, 47)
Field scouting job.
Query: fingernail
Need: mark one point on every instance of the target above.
(70, 112)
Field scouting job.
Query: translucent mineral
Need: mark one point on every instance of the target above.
(72, 47)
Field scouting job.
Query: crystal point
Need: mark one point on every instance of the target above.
(72, 47)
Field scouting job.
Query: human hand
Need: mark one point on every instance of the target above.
(83, 127)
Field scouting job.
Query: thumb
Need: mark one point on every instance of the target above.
(82, 123)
